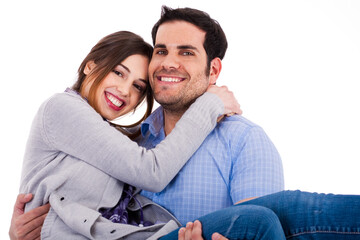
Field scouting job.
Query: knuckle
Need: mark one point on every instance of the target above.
(18, 224)
(19, 234)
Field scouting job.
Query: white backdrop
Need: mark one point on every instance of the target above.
(294, 66)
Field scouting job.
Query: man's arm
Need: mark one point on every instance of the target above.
(257, 168)
(27, 226)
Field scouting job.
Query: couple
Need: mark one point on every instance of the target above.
(188, 48)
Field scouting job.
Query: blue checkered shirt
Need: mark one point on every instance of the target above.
(236, 161)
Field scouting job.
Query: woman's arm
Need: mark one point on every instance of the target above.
(75, 128)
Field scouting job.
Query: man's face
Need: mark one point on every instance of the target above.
(178, 67)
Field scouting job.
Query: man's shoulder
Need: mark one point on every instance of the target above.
(236, 121)
(237, 128)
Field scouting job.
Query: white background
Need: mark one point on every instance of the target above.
(294, 66)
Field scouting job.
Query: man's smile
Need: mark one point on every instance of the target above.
(170, 79)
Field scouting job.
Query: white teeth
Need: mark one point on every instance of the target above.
(170, 79)
(114, 100)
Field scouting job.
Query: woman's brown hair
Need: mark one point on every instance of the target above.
(107, 54)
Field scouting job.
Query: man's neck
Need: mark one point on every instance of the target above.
(170, 120)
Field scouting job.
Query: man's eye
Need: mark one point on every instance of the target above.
(187, 54)
(117, 73)
(161, 52)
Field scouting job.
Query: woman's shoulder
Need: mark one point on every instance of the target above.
(65, 103)
(65, 100)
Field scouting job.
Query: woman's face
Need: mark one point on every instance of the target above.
(121, 90)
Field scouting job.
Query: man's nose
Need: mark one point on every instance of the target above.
(170, 61)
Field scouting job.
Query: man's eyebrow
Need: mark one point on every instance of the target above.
(182, 47)
(160, 46)
(187, 47)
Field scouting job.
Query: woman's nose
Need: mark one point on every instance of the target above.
(124, 88)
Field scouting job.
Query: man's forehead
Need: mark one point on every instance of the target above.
(179, 33)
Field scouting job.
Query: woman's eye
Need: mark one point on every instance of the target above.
(118, 73)
(139, 88)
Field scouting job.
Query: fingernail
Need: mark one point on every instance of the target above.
(28, 195)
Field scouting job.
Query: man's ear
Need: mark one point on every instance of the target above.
(215, 69)
(90, 65)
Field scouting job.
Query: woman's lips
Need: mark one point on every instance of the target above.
(114, 102)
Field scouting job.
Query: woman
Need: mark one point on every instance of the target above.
(79, 162)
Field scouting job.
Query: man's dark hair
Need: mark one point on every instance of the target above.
(215, 43)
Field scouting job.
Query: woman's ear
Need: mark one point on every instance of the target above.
(90, 65)
(215, 69)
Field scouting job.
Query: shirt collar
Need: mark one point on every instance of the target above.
(154, 124)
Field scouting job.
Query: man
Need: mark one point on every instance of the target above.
(237, 160)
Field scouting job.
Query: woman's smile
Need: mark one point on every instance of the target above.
(114, 102)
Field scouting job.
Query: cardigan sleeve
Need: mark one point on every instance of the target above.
(70, 125)
(89, 223)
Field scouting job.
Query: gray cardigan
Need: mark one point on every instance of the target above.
(76, 161)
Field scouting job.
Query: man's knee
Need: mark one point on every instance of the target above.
(250, 222)
(259, 214)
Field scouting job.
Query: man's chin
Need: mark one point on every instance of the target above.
(175, 106)
(166, 101)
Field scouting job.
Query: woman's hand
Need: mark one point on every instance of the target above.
(231, 105)
(193, 231)
(27, 226)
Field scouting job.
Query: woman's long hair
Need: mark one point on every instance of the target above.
(107, 54)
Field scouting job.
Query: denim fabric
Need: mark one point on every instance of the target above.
(240, 222)
(306, 215)
(292, 215)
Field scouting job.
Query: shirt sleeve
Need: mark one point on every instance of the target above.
(257, 167)
(70, 125)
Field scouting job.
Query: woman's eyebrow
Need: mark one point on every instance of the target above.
(125, 67)
(144, 81)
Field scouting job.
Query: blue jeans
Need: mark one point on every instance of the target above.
(291, 215)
